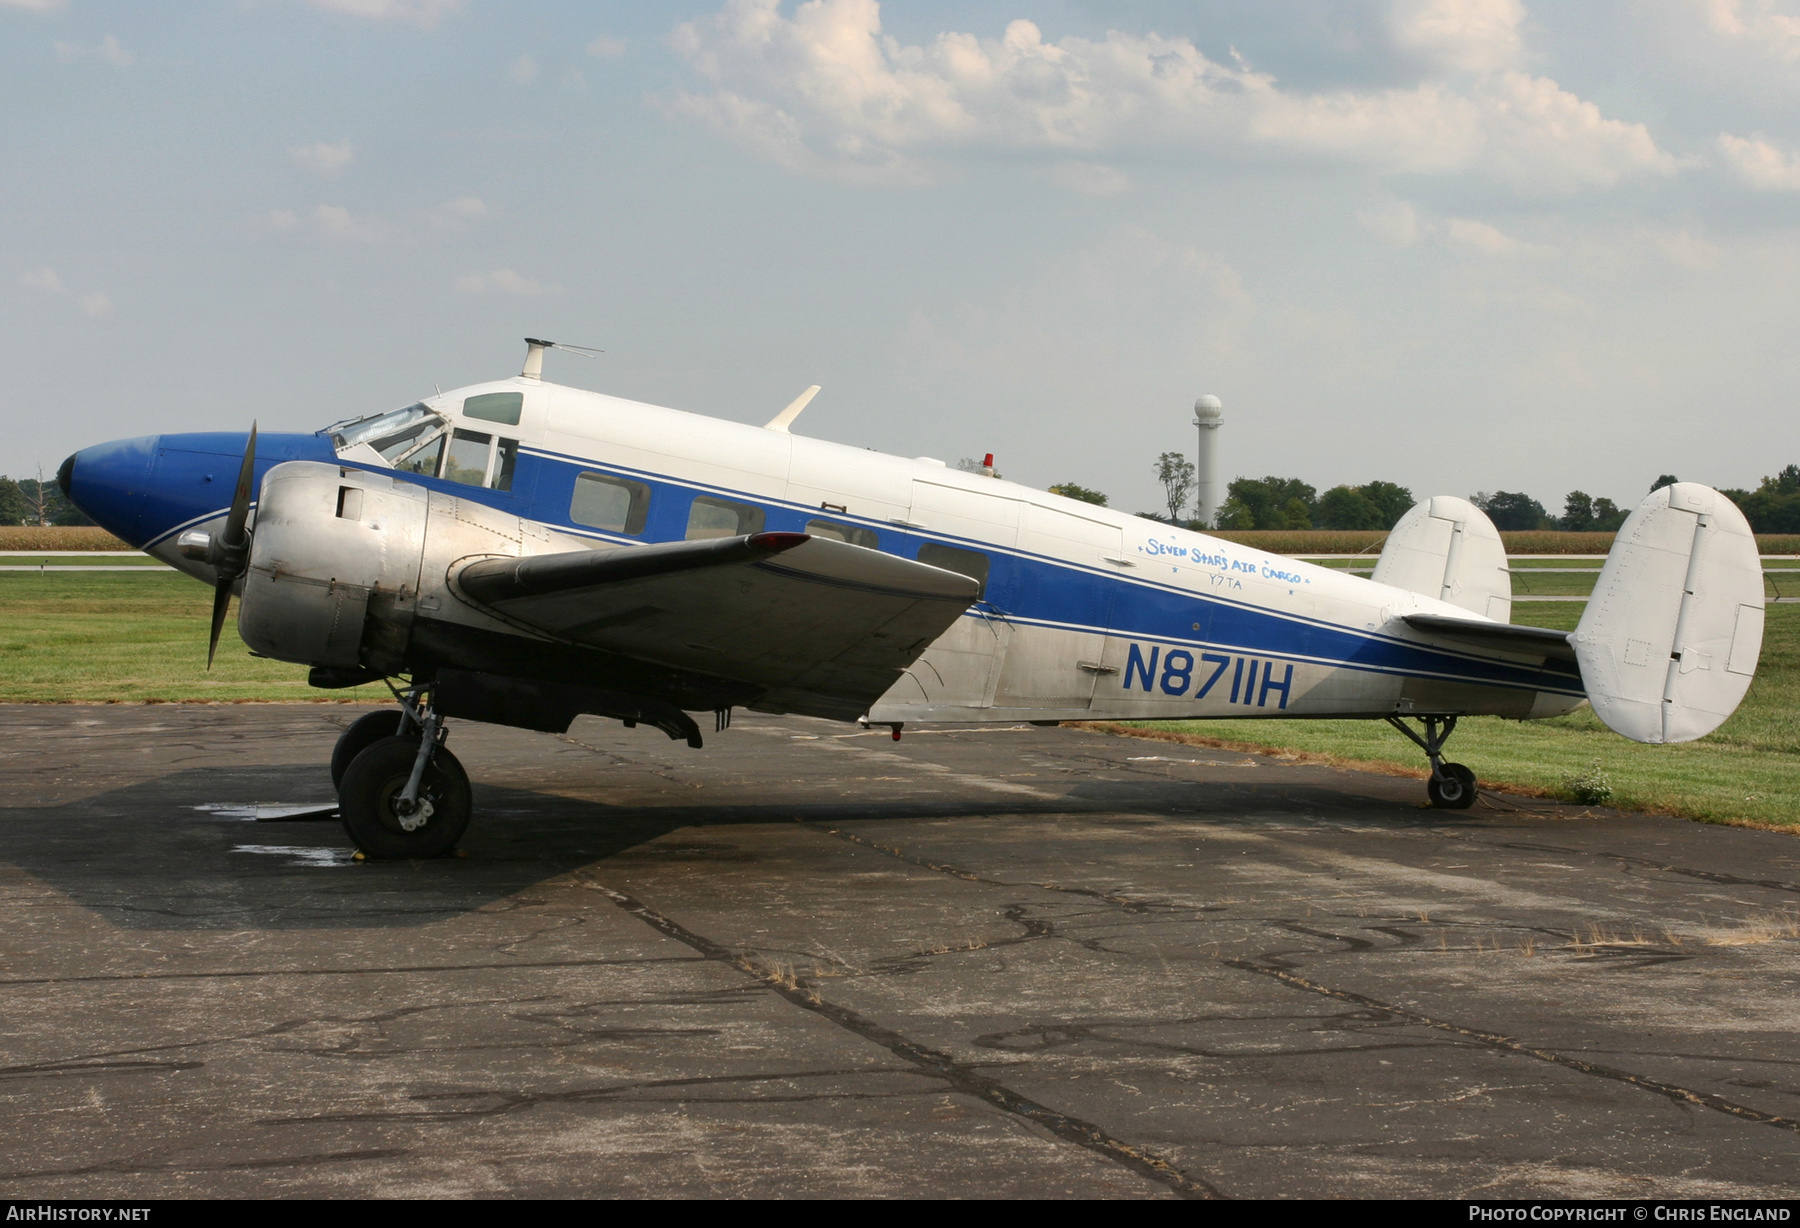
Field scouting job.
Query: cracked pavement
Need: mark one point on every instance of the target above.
(809, 961)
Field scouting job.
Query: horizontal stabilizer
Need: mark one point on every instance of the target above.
(824, 626)
(1447, 548)
(1669, 641)
(1537, 641)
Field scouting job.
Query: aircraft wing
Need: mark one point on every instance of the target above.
(826, 627)
(1503, 637)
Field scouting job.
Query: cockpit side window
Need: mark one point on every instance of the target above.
(468, 459)
(422, 459)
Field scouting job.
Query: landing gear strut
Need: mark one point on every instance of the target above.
(403, 794)
(1452, 786)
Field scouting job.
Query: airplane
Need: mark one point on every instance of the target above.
(521, 553)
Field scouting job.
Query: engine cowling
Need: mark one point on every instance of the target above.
(334, 574)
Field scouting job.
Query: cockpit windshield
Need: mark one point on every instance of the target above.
(377, 429)
(419, 439)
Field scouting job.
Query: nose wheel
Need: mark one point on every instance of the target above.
(403, 796)
(1452, 786)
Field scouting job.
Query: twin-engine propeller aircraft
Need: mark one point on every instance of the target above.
(521, 553)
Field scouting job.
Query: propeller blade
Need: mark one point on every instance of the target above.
(221, 603)
(240, 498)
(232, 550)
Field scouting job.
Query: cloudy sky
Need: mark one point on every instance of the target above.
(1459, 244)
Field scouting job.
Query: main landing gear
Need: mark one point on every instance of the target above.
(401, 793)
(1452, 786)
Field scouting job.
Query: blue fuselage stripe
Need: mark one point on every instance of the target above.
(190, 475)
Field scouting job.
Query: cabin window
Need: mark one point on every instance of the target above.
(468, 459)
(865, 538)
(718, 518)
(970, 563)
(501, 407)
(610, 503)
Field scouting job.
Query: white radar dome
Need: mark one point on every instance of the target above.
(1209, 406)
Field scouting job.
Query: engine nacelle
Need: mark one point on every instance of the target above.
(343, 561)
(334, 567)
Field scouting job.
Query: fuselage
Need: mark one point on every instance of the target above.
(1084, 612)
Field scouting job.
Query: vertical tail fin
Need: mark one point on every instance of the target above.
(1447, 548)
(1669, 641)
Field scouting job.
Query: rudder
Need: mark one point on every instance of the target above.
(1669, 641)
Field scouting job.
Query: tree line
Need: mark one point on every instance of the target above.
(36, 501)
(1289, 503)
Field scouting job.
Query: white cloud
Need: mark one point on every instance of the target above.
(323, 159)
(457, 214)
(110, 50)
(1758, 24)
(1460, 35)
(339, 224)
(1481, 238)
(503, 281)
(824, 90)
(42, 279)
(1089, 178)
(332, 222)
(1759, 164)
(607, 48)
(1396, 224)
(524, 70)
(422, 13)
(95, 303)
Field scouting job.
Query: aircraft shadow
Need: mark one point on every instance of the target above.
(153, 855)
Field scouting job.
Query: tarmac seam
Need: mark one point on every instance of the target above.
(1070, 1129)
(124, 977)
(1672, 1091)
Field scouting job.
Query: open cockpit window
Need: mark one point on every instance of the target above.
(377, 429)
(419, 440)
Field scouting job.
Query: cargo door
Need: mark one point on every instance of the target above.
(1061, 606)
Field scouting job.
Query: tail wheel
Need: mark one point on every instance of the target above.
(1453, 789)
(373, 784)
(362, 734)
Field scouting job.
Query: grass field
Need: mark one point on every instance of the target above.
(106, 637)
(1748, 772)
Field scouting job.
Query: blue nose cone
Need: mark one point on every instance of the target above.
(143, 490)
(109, 483)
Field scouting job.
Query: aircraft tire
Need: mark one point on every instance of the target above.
(363, 733)
(377, 776)
(1455, 791)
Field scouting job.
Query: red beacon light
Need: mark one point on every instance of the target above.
(987, 465)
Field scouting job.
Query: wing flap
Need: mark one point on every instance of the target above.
(823, 626)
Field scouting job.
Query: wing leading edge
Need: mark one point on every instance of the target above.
(824, 626)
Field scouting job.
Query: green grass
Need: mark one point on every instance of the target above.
(105, 637)
(1747, 772)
